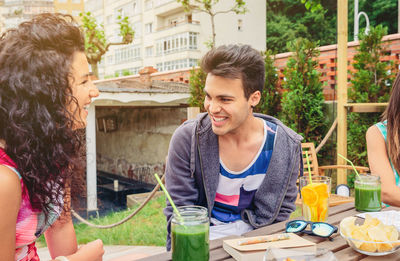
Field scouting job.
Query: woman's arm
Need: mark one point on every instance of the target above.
(60, 237)
(10, 201)
(379, 165)
(61, 240)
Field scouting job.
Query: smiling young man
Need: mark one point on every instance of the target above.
(241, 166)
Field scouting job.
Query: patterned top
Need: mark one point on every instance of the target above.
(236, 189)
(30, 223)
(383, 129)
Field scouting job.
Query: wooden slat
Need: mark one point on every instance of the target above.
(348, 254)
(312, 156)
(219, 254)
(336, 244)
(217, 243)
(366, 107)
(160, 257)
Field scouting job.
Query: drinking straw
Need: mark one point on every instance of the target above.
(308, 166)
(351, 163)
(167, 194)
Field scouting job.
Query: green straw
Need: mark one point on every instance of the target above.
(167, 194)
(308, 166)
(351, 163)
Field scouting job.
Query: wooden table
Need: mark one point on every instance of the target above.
(337, 245)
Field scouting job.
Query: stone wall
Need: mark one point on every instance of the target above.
(139, 146)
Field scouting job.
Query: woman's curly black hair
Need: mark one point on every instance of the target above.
(35, 65)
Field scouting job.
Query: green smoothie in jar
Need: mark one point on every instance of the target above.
(190, 234)
(368, 193)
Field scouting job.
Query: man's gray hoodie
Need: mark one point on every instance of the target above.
(192, 172)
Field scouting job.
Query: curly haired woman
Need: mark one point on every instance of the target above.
(383, 146)
(44, 91)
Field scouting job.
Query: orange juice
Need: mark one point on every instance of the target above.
(315, 198)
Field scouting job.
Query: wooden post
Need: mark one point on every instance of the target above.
(91, 172)
(342, 88)
(192, 112)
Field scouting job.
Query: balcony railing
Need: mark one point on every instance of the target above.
(172, 25)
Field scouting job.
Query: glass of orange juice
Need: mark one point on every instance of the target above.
(315, 194)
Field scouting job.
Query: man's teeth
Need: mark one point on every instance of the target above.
(219, 119)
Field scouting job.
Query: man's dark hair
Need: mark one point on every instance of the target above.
(237, 62)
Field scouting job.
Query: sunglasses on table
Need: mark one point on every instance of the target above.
(321, 229)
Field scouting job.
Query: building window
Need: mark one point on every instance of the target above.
(148, 28)
(176, 64)
(148, 4)
(128, 53)
(62, 1)
(175, 43)
(161, 2)
(135, 7)
(76, 1)
(125, 10)
(109, 59)
(149, 51)
(93, 5)
(76, 12)
(63, 11)
(240, 25)
(128, 71)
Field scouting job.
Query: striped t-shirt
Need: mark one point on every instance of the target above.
(236, 189)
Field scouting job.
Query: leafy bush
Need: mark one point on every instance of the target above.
(270, 97)
(371, 82)
(197, 82)
(302, 102)
(126, 72)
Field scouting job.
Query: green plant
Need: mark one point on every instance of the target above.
(288, 20)
(302, 102)
(96, 44)
(371, 82)
(312, 5)
(126, 72)
(270, 97)
(147, 228)
(197, 82)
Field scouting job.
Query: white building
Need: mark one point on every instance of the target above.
(16, 11)
(167, 38)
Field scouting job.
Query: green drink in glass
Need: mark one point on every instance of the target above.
(368, 193)
(190, 234)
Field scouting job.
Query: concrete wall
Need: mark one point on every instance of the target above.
(138, 148)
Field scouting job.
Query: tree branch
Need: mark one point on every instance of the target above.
(226, 11)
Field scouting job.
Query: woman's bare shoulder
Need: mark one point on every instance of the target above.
(373, 133)
(10, 185)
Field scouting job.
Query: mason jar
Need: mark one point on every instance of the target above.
(368, 193)
(190, 234)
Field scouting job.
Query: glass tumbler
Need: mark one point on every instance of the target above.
(315, 197)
